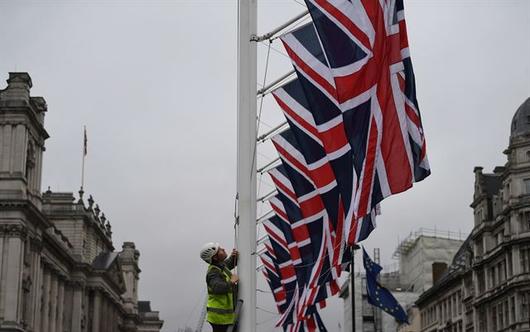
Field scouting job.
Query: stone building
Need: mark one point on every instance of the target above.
(59, 271)
(487, 287)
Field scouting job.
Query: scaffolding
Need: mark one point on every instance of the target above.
(410, 241)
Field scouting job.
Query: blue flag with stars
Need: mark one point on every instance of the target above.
(378, 295)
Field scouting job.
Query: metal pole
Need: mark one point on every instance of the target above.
(352, 286)
(281, 27)
(266, 89)
(83, 159)
(246, 160)
(352, 290)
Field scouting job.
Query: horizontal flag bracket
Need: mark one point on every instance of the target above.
(271, 35)
(268, 166)
(267, 89)
(262, 239)
(271, 132)
(261, 251)
(265, 217)
(267, 196)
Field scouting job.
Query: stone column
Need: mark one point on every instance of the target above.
(38, 295)
(36, 281)
(77, 306)
(103, 314)
(53, 302)
(11, 256)
(96, 314)
(45, 312)
(108, 316)
(60, 307)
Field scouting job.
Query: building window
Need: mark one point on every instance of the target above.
(500, 315)
(459, 302)
(500, 237)
(509, 264)
(526, 183)
(524, 306)
(502, 271)
(494, 318)
(449, 313)
(482, 325)
(525, 221)
(512, 309)
(525, 259)
(481, 281)
(478, 216)
(506, 314)
(479, 248)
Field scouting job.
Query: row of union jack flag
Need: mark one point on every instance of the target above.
(355, 137)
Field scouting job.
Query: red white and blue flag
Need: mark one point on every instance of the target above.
(355, 138)
(286, 298)
(354, 68)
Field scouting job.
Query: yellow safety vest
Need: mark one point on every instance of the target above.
(220, 307)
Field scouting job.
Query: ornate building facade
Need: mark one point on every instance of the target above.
(59, 271)
(487, 286)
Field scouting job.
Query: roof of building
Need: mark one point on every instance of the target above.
(521, 120)
(104, 260)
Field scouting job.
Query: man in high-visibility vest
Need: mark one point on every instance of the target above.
(221, 285)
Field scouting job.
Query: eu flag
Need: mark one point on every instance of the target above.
(378, 295)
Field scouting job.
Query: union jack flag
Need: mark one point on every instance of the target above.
(355, 138)
(354, 67)
(305, 209)
(333, 176)
(286, 296)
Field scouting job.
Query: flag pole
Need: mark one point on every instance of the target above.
(246, 160)
(352, 287)
(83, 158)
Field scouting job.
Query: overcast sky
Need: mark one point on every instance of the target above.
(154, 82)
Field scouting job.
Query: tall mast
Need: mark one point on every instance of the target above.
(246, 160)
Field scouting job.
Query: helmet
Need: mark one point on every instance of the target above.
(208, 251)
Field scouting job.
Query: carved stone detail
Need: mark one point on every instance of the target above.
(13, 230)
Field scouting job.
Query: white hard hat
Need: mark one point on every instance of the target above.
(208, 251)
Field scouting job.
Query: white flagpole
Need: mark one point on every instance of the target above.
(246, 160)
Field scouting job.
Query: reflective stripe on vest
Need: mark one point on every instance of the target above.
(220, 311)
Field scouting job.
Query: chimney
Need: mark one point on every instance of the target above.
(17, 91)
(438, 270)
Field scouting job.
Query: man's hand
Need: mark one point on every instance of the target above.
(234, 253)
(234, 279)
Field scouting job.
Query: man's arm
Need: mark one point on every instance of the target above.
(231, 261)
(216, 282)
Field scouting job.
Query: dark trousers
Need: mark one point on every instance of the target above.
(219, 328)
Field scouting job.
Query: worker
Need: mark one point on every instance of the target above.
(222, 285)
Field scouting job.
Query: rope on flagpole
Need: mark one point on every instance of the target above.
(236, 224)
(264, 81)
(261, 105)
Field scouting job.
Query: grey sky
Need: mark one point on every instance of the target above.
(154, 82)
